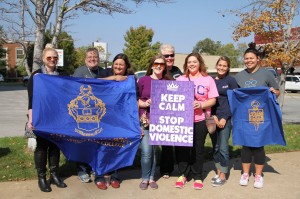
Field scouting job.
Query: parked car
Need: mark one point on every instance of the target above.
(1, 78)
(274, 72)
(292, 83)
(25, 80)
(140, 74)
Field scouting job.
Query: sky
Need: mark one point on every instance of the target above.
(182, 24)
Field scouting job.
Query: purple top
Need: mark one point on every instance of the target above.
(144, 86)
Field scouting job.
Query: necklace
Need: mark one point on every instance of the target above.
(93, 76)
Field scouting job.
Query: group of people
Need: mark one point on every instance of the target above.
(210, 96)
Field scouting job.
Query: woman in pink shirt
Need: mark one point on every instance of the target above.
(190, 159)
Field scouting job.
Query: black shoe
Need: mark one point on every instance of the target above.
(54, 179)
(43, 185)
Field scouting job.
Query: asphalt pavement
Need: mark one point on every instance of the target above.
(280, 174)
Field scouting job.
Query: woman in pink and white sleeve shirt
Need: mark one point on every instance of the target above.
(190, 159)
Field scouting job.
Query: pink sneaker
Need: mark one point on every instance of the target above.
(198, 184)
(258, 181)
(180, 182)
(244, 179)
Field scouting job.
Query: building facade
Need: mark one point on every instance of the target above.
(13, 58)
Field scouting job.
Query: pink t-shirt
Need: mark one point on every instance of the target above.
(205, 88)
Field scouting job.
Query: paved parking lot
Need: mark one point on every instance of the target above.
(13, 106)
(13, 110)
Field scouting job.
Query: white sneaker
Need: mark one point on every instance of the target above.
(244, 179)
(214, 178)
(258, 181)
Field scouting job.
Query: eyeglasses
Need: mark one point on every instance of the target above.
(168, 55)
(51, 58)
(92, 57)
(156, 64)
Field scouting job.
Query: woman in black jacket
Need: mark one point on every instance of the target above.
(45, 149)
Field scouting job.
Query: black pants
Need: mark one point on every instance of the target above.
(46, 150)
(166, 160)
(190, 159)
(257, 152)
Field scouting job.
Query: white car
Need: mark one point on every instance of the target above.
(1, 78)
(140, 74)
(292, 83)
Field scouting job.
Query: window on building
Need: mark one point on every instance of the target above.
(20, 53)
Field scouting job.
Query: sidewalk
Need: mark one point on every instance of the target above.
(281, 176)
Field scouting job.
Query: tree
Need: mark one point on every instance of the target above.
(139, 48)
(80, 56)
(207, 46)
(272, 22)
(40, 12)
(210, 47)
(2, 52)
(233, 54)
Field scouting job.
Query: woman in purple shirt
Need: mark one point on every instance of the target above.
(157, 70)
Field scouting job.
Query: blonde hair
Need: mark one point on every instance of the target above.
(49, 47)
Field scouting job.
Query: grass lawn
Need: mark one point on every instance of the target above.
(17, 163)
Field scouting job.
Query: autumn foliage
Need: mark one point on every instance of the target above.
(271, 23)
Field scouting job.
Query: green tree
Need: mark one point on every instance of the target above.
(138, 46)
(233, 54)
(2, 53)
(30, 49)
(207, 46)
(80, 56)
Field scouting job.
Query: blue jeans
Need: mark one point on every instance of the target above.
(221, 154)
(148, 158)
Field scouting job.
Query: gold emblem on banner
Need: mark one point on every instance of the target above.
(256, 115)
(87, 110)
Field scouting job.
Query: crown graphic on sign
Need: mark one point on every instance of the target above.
(172, 87)
(87, 110)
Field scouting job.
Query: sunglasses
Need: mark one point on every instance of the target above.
(168, 55)
(156, 64)
(51, 58)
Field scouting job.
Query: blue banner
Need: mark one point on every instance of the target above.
(256, 117)
(92, 121)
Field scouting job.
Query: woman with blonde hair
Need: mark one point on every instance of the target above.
(45, 149)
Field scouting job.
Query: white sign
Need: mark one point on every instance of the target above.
(60, 53)
(103, 50)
